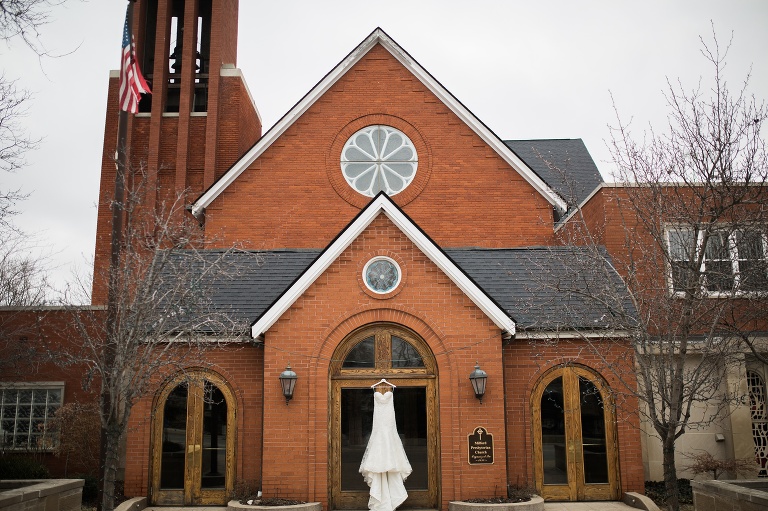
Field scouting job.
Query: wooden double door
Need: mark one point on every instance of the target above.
(391, 352)
(193, 441)
(575, 452)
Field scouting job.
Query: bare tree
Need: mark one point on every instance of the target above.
(19, 19)
(23, 19)
(164, 317)
(685, 228)
(22, 276)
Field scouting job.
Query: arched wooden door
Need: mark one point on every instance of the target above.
(193, 441)
(574, 430)
(362, 359)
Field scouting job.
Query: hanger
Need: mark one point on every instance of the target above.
(383, 382)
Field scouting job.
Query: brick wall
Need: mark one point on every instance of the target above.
(525, 362)
(27, 338)
(242, 367)
(458, 333)
(464, 194)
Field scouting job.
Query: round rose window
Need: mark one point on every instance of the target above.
(379, 158)
(381, 275)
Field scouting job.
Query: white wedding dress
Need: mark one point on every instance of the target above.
(385, 465)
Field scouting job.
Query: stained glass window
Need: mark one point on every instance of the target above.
(381, 275)
(379, 158)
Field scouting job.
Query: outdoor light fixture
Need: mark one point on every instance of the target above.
(288, 382)
(478, 378)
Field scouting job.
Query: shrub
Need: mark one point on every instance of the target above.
(20, 467)
(705, 463)
(90, 489)
(656, 492)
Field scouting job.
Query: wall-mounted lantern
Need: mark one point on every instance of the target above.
(288, 382)
(478, 377)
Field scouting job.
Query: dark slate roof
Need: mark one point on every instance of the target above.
(541, 288)
(565, 165)
(550, 288)
(261, 278)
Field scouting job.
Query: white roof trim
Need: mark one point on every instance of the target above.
(383, 204)
(377, 37)
(583, 203)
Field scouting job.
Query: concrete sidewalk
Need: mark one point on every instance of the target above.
(587, 506)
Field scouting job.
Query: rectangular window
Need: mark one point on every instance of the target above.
(752, 268)
(26, 411)
(734, 260)
(681, 249)
(718, 266)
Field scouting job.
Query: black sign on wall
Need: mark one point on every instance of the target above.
(480, 447)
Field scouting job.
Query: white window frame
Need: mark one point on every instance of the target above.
(5, 416)
(389, 260)
(733, 253)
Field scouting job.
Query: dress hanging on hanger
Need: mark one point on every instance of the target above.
(385, 465)
(383, 386)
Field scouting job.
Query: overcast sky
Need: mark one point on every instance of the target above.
(527, 69)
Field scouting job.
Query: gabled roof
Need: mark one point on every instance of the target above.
(378, 36)
(545, 289)
(564, 164)
(382, 204)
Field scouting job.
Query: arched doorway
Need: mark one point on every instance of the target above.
(362, 359)
(193, 441)
(574, 430)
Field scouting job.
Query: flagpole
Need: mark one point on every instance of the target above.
(118, 204)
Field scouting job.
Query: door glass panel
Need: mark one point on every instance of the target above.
(553, 441)
(593, 433)
(356, 425)
(362, 355)
(357, 422)
(174, 440)
(405, 355)
(411, 417)
(214, 438)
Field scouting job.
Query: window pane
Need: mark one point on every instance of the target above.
(553, 434)
(9, 396)
(719, 276)
(214, 438)
(593, 433)
(718, 265)
(54, 396)
(680, 243)
(752, 264)
(405, 355)
(174, 439)
(681, 272)
(362, 355)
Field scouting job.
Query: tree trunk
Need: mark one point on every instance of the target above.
(111, 458)
(670, 472)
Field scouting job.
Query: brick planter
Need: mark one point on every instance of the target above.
(234, 505)
(41, 495)
(535, 504)
(738, 495)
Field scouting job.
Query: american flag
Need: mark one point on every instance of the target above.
(132, 83)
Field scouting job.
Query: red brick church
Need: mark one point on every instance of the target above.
(400, 239)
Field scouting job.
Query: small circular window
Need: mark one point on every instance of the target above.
(379, 158)
(381, 275)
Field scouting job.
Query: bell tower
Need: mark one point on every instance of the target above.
(197, 122)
